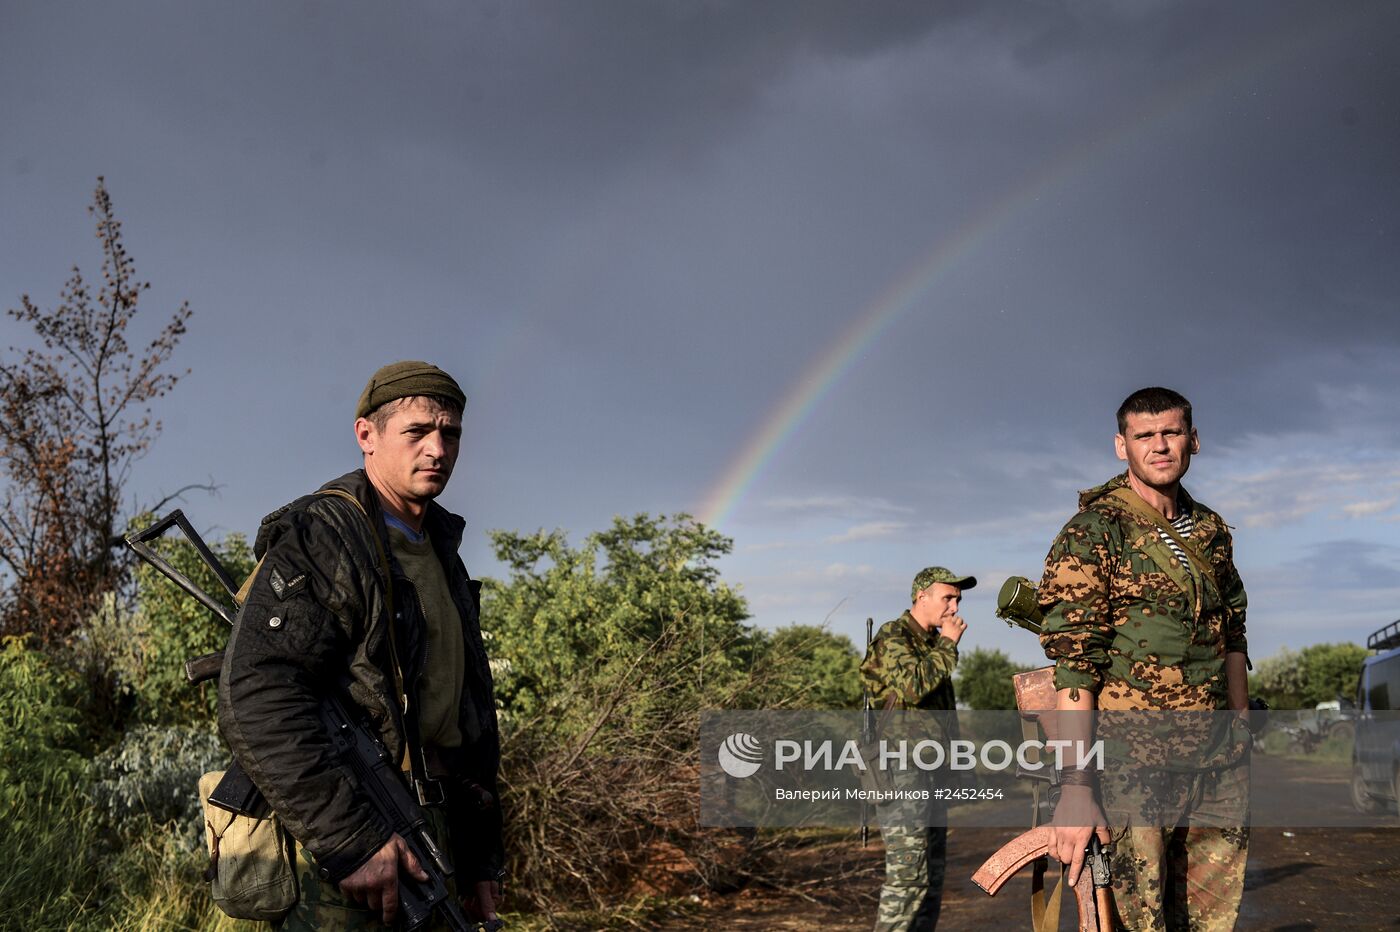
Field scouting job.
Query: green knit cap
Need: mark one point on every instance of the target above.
(931, 574)
(404, 380)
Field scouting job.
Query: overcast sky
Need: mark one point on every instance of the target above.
(861, 283)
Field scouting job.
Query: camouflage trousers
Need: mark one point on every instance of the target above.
(323, 908)
(916, 856)
(1179, 853)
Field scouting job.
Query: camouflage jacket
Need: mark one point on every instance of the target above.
(317, 619)
(913, 665)
(1126, 619)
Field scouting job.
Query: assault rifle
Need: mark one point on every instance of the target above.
(356, 743)
(1035, 695)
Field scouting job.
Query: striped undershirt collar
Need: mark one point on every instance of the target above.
(1183, 524)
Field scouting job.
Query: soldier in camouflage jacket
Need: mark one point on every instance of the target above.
(910, 666)
(913, 659)
(1135, 621)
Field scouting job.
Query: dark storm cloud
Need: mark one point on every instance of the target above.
(1222, 206)
(607, 84)
(638, 225)
(576, 86)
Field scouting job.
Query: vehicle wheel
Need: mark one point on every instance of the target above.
(1345, 731)
(1362, 800)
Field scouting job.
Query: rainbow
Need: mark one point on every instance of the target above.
(818, 379)
(824, 372)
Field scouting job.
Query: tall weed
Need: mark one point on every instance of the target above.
(51, 870)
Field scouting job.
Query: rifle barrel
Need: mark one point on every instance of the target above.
(867, 731)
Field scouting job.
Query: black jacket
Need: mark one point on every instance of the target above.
(317, 619)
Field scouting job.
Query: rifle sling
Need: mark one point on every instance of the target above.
(890, 702)
(241, 595)
(416, 766)
(1134, 503)
(1045, 912)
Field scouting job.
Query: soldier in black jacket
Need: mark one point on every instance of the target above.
(407, 650)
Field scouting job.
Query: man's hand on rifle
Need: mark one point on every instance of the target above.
(375, 883)
(1077, 817)
(481, 905)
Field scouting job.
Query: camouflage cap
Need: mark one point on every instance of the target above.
(404, 380)
(931, 574)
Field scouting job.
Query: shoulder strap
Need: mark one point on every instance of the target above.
(1134, 503)
(891, 701)
(388, 589)
(243, 590)
(1045, 913)
(241, 595)
(378, 543)
(410, 762)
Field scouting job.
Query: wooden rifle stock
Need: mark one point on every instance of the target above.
(204, 667)
(1036, 700)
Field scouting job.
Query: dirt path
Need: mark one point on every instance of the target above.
(1309, 879)
(1297, 880)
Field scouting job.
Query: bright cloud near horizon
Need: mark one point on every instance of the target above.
(859, 284)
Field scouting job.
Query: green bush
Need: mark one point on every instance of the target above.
(984, 679)
(1301, 679)
(116, 844)
(569, 616)
(39, 727)
(808, 667)
(605, 657)
(151, 780)
(45, 821)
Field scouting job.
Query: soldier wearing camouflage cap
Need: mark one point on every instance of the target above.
(320, 613)
(910, 666)
(1144, 609)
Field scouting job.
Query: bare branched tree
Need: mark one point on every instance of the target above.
(74, 416)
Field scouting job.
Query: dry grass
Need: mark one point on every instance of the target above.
(605, 817)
